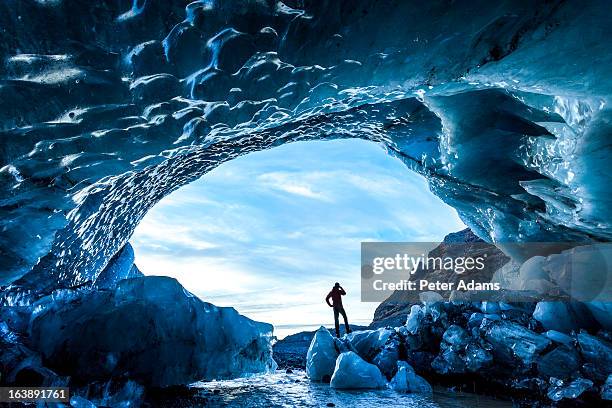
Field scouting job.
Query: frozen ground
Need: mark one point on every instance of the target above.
(295, 390)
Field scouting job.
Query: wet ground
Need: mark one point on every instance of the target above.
(295, 390)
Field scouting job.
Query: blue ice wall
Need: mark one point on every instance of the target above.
(106, 107)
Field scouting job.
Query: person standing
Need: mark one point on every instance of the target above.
(336, 302)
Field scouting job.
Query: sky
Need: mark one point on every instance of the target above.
(270, 232)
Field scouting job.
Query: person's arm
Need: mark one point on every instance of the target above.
(342, 292)
(329, 295)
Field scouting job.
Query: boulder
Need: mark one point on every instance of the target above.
(406, 380)
(561, 316)
(512, 342)
(368, 343)
(597, 354)
(321, 356)
(606, 389)
(560, 390)
(153, 331)
(352, 372)
(563, 362)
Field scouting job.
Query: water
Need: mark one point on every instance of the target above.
(295, 390)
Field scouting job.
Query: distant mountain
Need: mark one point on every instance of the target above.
(393, 311)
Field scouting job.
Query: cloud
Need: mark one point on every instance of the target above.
(292, 183)
(270, 232)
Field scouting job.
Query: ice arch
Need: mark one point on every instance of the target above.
(106, 108)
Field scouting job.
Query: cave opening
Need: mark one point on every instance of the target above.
(270, 232)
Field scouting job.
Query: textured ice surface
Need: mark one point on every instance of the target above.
(321, 356)
(572, 389)
(352, 372)
(513, 343)
(407, 381)
(105, 108)
(152, 330)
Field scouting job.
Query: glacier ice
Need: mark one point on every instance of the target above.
(352, 372)
(563, 362)
(514, 343)
(321, 356)
(367, 343)
(120, 267)
(606, 389)
(573, 389)
(103, 113)
(407, 381)
(106, 108)
(152, 330)
(558, 316)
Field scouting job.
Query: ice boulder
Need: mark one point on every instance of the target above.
(598, 356)
(352, 372)
(562, 316)
(606, 389)
(387, 358)
(413, 321)
(321, 356)
(563, 362)
(512, 342)
(406, 380)
(560, 390)
(368, 343)
(152, 330)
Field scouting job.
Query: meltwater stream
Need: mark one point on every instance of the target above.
(295, 390)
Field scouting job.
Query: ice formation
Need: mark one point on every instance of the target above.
(105, 109)
(352, 372)
(407, 381)
(321, 356)
(151, 330)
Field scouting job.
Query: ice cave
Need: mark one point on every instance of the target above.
(107, 107)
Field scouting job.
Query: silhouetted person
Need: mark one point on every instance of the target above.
(336, 296)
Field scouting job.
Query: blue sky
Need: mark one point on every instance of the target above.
(269, 233)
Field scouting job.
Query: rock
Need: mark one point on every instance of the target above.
(563, 362)
(606, 389)
(406, 380)
(598, 356)
(352, 372)
(560, 390)
(321, 356)
(512, 342)
(152, 330)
